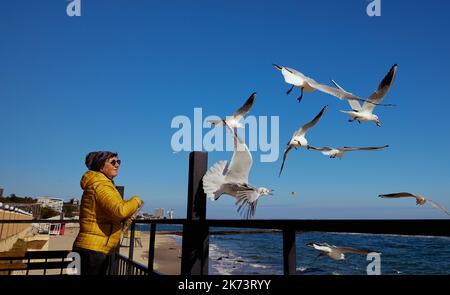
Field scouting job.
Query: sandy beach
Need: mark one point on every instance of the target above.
(167, 251)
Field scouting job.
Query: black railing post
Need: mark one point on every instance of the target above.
(195, 248)
(132, 235)
(289, 252)
(151, 248)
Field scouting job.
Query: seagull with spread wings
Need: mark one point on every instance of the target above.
(298, 139)
(420, 200)
(232, 180)
(339, 152)
(297, 79)
(336, 253)
(365, 113)
(233, 121)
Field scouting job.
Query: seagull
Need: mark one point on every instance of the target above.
(339, 152)
(295, 78)
(233, 121)
(222, 179)
(420, 200)
(336, 253)
(298, 139)
(364, 113)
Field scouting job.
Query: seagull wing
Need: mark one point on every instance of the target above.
(398, 195)
(246, 107)
(353, 250)
(241, 163)
(306, 127)
(337, 92)
(286, 152)
(354, 104)
(320, 149)
(438, 206)
(247, 199)
(377, 97)
(349, 149)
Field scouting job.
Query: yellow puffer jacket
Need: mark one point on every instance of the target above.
(101, 213)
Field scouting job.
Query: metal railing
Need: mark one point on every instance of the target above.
(196, 230)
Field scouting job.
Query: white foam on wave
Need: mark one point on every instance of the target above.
(223, 261)
(226, 262)
(256, 265)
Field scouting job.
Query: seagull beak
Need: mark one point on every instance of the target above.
(278, 67)
(271, 192)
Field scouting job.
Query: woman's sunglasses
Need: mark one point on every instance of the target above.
(114, 162)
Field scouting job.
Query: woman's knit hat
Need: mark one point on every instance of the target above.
(95, 160)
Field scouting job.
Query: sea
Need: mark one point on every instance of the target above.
(262, 253)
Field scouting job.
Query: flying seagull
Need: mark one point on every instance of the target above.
(233, 120)
(420, 200)
(298, 139)
(365, 113)
(336, 253)
(297, 79)
(339, 152)
(233, 180)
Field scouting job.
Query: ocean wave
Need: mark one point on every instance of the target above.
(224, 261)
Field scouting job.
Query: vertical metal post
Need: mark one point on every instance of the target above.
(195, 248)
(2, 217)
(289, 252)
(131, 252)
(151, 248)
(198, 165)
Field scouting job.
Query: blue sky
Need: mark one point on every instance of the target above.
(115, 77)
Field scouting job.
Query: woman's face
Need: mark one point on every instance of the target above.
(111, 167)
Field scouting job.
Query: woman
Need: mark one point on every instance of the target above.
(101, 213)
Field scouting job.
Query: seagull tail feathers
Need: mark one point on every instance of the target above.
(213, 180)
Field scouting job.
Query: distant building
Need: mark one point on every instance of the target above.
(53, 203)
(170, 214)
(148, 216)
(74, 201)
(159, 213)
